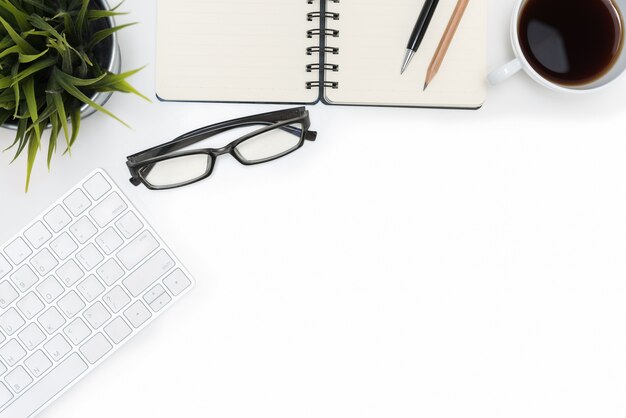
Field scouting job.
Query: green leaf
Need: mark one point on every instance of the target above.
(80, 82)
(101, 35)
(5, 82)
(40, 6)
(6, 42)
(16, 88)
(57, 100)
(61, 45)
(74, 91)
(39, 23)
(26, 47)
(52, 141)
(20, 17)
(24, 58)
(112, 78)
(33, 148)
(12, 50)
(124, 87)
(101, 14)
(20, 138)
(80, 20)
(114, 8)
(31, 102)
(4, 116)
(76, 117)
(7, 96)
(117, 82)
(33, 69)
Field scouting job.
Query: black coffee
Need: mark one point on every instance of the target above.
(571, 42)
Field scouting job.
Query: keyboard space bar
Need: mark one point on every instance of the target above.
(47, 388)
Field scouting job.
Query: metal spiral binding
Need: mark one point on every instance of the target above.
(323, 33)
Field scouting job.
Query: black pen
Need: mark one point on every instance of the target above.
(419, 31)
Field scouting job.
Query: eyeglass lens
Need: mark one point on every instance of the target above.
(185, 169)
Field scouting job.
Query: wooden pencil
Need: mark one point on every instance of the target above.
(445, 42)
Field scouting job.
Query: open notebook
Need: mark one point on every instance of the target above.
(346, 52)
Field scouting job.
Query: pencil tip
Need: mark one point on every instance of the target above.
(425, 86)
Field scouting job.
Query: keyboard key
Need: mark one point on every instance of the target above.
(137, 314)
(18, 379)
(97, 186)
(11, 321)
(50, 289)
(63, 246)
(3, 368)
(77, 202)
(148, 273)
(70, 273)
(116, 299)
(37, 235)
(177, 282)
(18, 250)
(90, 288)
(5, 266)
(153, 294)
(57, 347)
(44, 262)
(118, 330)
(7, 294)
(71, 304)
(83, 230)
(31, 336)
(89, 257)
(97, 315)
(160, 302)
(38, 363)
(12, 352)
(47, 388)
(24, 278)
(77, 331)
(129, 225)
(137, 250)
(51, 320)
(30, 305)
(109, 209)
(110, 272)
(109, 241)
(5, 395)
(96, 348)
(57, 219)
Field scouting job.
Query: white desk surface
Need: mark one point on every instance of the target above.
(410, 263)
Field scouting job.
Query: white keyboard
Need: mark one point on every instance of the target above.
(75, 284)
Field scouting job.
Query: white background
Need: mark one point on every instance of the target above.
(410, 263)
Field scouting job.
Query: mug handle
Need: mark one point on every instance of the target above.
(503, 73)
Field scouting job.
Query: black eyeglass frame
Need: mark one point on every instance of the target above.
(282, 119)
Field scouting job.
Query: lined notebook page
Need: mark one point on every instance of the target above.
(372, 44)
(233, 50)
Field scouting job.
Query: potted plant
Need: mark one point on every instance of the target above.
(59, 63)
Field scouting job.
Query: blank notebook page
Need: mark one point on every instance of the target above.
(372, 44)
(233, 50)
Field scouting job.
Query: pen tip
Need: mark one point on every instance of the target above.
(407, 60)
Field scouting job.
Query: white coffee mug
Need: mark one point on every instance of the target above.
(521, 63)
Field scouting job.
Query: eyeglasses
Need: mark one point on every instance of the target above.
(266, 137)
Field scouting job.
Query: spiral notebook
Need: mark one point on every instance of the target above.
(346, 52)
